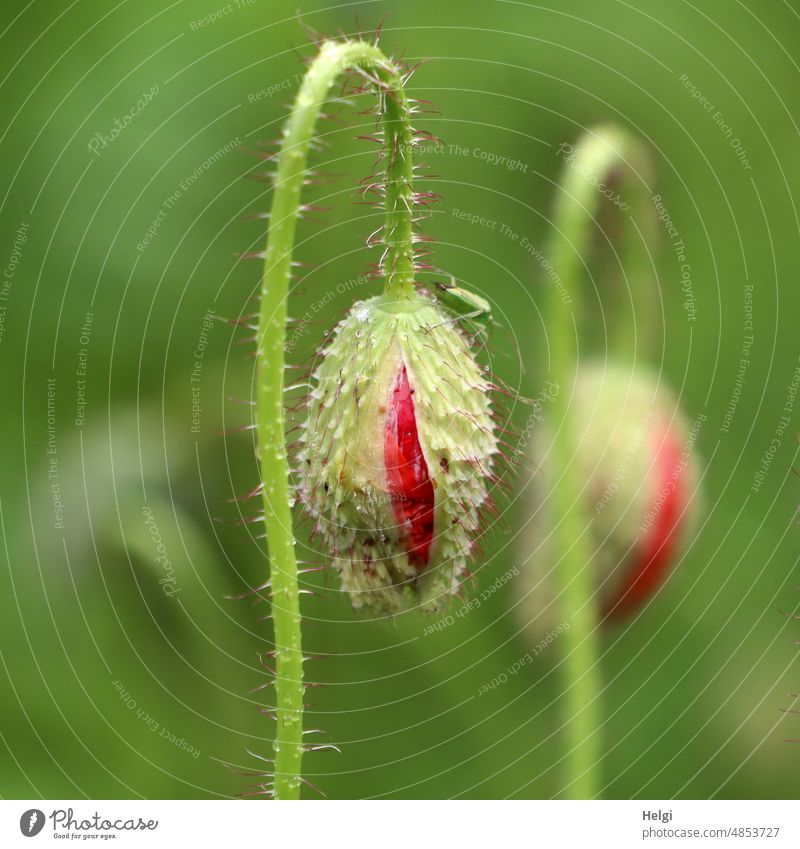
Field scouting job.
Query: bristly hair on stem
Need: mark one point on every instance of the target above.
(394, 181)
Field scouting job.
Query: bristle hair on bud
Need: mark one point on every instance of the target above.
(394, 454)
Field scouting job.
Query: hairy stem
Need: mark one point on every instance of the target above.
(589, 168)
(398, 267)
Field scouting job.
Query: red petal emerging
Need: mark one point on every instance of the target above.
(656, 550)
(409, 485)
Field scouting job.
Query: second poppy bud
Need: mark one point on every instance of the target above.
(635, 454)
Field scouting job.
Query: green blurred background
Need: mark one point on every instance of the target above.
(113, 687)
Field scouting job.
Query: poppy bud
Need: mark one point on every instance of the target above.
(396, 450)
(634, 454)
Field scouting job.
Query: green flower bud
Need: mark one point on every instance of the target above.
(396, 453)
(634, 452)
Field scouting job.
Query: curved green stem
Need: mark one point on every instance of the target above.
(607, 172)
(589, 167)
(398, 267)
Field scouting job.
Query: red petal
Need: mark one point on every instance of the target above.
(407, 476)
(651, 564)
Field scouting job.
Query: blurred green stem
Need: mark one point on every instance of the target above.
(605, 187)
(588, 169)
(398, 267)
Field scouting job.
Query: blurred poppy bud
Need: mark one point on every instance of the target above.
(396, 453)
(634, 452)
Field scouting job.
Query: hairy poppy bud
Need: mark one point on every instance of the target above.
(396, 450)
(634, 453)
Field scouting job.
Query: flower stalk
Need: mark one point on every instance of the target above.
(397, 265)
(590, 166)
(611, 168)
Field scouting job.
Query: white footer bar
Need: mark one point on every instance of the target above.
(402, 824)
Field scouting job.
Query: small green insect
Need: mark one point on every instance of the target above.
(473, 311)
